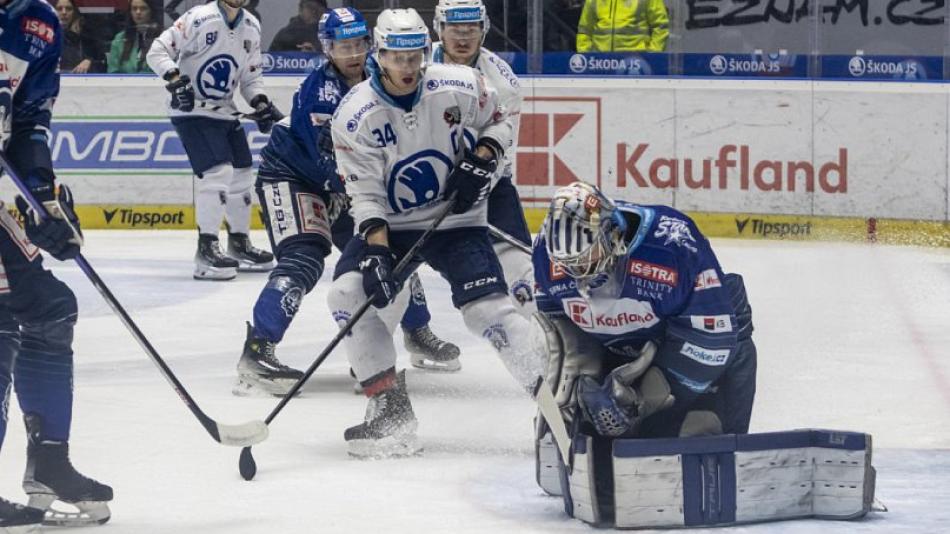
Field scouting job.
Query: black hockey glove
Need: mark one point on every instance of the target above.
(183, 94)
(471, 177)
(59, 234)
(265, 113)
(379, 281)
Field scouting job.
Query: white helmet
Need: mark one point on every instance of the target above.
(461, 11)
(584, 231)
(401, 29)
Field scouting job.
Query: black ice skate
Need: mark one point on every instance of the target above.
(51, 477)
(389, 428)
(427, 351)
(210, 262)
(260, 371)
(19, 519)
(250, 258)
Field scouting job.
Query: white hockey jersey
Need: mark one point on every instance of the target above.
(217, 56)
(395, 163)
(501, 77)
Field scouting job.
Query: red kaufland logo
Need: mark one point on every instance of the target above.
(558, 143)
(722, 170)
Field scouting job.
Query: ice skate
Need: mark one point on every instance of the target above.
(250, 258)
(389, 429)
(259, 370)
(50, 479)
(210, 262)
(427, 351)
(19, 519)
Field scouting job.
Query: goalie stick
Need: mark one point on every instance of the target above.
(246, 464)
(241, 435)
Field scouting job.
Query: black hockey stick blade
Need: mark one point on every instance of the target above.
(246, 464)
(234, 435)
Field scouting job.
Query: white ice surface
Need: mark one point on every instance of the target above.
(850, 337)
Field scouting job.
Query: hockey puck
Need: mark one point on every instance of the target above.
(246, 464)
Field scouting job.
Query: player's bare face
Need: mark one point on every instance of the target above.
(462, 41)
(349, 56)
(403, 70)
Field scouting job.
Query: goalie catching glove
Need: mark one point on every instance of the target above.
(59, 233)
(629, 394)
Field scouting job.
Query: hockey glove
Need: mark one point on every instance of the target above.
(471, 177)
(629, 394)
(265, 113)
(183, 94)
(379, 282)
(59, 234)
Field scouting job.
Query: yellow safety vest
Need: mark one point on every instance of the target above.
(622, 26)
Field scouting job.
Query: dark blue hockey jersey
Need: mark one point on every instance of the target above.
(669, 289)
(293, 153)
(30, 48)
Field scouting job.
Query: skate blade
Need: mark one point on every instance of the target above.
(206, 272)
(82, 514)
(419, 361)
(381, 449)
(255, 386)
(245, 266)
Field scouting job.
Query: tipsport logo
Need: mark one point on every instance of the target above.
(143, 218)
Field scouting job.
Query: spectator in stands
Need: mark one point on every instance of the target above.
(142, 25)
(300, 34)
(82, 51)
(623, 26)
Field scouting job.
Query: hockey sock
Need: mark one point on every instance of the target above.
(238, 203)
(417, 314)
(211, 197)
(44, 376)
(495, 319)
(276, 307)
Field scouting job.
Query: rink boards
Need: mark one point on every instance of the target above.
(765, 159)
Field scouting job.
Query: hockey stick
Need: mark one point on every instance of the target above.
(510, 239)
(246, 465)
(542, 391)
(235, 435)
(236, 114)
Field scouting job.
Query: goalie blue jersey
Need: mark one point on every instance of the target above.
(293, 152)
(669, 289)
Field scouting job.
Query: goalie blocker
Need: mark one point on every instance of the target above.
(719, 480)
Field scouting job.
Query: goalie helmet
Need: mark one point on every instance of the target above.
(584, 231)
(461, 12)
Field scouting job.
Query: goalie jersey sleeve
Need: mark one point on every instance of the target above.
(395, 161)
(670, 292)
(30, 50)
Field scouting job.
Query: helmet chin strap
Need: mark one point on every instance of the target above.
(231, 3)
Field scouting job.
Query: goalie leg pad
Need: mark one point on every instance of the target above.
(722, 480)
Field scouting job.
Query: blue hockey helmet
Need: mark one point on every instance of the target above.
(584, 231)
(342, 23)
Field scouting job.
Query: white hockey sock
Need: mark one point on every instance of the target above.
(210, 198)
(239, 201)
(519, 274)
(495, 319)
(369, 346)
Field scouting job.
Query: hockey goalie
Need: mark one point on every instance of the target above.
(651, 370)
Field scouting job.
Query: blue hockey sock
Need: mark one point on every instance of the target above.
(44, 386)
(276, 307)
(417, 313)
